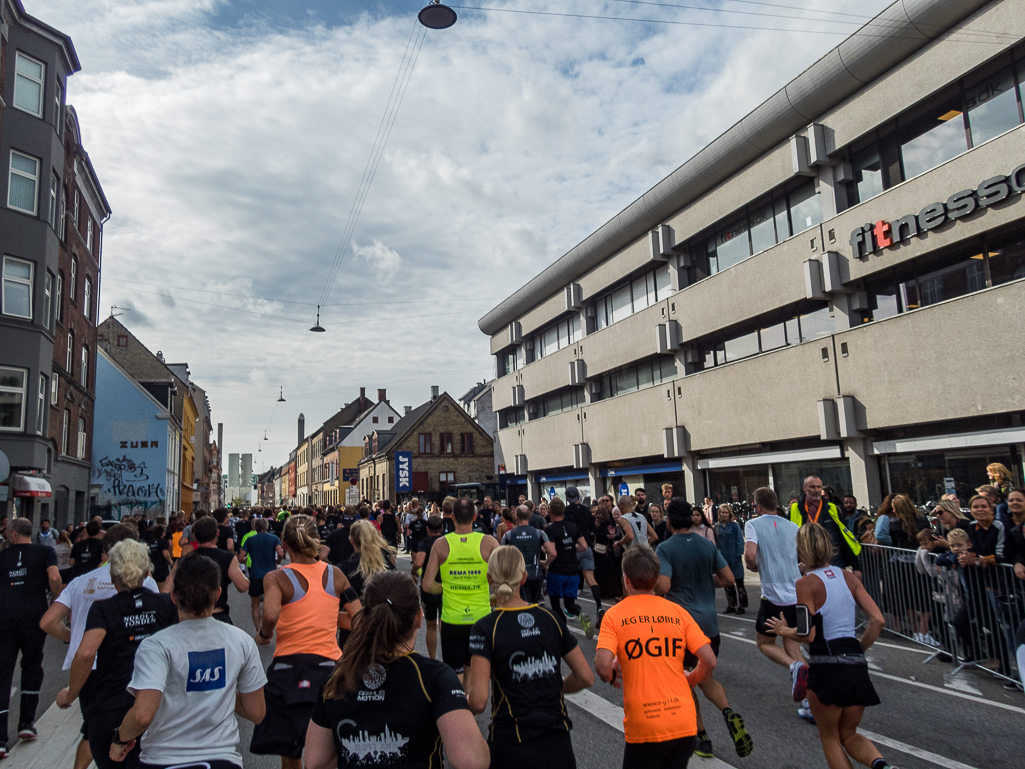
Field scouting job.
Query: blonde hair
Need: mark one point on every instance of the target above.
(1000, 472)
(129, 562)
(505, 569)
(904, 510)
(371, 547)
(958, 535)
(951, 507)
(724, 508)
(814, 546)
(300, 536)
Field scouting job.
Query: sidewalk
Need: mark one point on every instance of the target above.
(58, 739)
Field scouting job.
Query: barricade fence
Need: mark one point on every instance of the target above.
(967, 613)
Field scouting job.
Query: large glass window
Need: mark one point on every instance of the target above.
(28, 84)
(992, 106)
(732, 245)
(558, 402)
(23, 185)
(13, 393)
(17, 293)
(637, 377)
(763, 229)
(511, 417)
(868, 175)
(805, 207)
(932, 134)
(640, 293)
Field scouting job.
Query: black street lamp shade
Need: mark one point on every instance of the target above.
(318, 328)
(281, 396)
(437, 16)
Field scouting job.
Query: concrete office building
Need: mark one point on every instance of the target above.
(833, 286)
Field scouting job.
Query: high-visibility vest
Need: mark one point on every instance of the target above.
(852, 541)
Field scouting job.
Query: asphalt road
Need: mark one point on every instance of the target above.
(928, 717)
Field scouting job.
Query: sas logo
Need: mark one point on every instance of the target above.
(206, 671)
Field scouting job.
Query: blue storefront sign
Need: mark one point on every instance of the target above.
(624, 490)
(403, 472)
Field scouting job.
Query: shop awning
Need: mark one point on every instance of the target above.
(559, 477)
(666, 467)
(31, 486)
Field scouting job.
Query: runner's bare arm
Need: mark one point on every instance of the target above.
(320, 748)
(251, 705)
(603, 660)
(348, 600)
(271, 607)
(751, 555)
(477, 683)
(438, 555)
(580, 674)
(550, 550)
(580, 545)
(488, 545)
(464, 745)
(136, 721)
(53, 576)
(724, 577)
(53, 622)
(663, 584)
(238, 579)
(81, 666)
(706, 664)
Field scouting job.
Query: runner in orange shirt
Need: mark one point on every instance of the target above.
(641, 649)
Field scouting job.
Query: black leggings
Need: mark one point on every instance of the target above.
(552, 750)
(26, 637)
(672, 754)
(100, 734)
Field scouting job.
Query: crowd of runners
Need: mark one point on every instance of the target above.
(160, 668)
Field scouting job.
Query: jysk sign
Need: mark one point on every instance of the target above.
(403, 471)
(872, 238)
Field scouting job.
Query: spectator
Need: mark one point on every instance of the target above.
(703, 523)
(731, 545)
(45, 535)
(63, 550)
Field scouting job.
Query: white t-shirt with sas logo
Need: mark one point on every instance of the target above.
(198, 665)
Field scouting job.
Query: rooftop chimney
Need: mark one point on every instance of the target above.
(382, 395)
(160, 356)
(362, 394)
(407, 410)
(434, 392)
(302, 428)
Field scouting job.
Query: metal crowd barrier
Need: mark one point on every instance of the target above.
(966, 615)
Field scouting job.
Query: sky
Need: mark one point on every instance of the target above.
(232, 137)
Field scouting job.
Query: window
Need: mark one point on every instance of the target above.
(375, 420)
(69, 357)
(80, 452)
(557, 336)
(62, 229)
(89, 234)
(54, 186)
(763, 224)
(391, 420)
(13, 384)
(24, 182)
(28, 84)
(73, 284)
(41, 410)
(466, 443)
(558, 402)
(64, 431)
(84, 371)
(631, 378)
(59, 309)
(812, 320)
(74, 215)
(446, 482)
(991, 105)
(54, 388)
(424, 443)
(48, 300)
(507, 362)
(17, 293)
(87, 300)
(511, 417)
(932, 134)
(58, 103)
(445, 443)
(623, 301)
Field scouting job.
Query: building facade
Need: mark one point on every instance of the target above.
(448, 453)
(806, 295)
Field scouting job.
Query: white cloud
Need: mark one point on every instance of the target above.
(232, 157)
(384, 261)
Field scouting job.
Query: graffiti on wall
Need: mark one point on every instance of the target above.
(127, 487)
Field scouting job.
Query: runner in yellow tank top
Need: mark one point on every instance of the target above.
(461, 560)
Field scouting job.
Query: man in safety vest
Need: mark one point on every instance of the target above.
(813, 507)
(461, 560)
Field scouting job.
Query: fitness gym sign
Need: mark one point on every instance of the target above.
(872, 238)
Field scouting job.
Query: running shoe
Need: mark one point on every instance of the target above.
(741, 611)
(805, 713)
(738, 733)
(27, 732)
(587, 625)
(703, 747)
(3, 751)
(799, 674)
(601, 616)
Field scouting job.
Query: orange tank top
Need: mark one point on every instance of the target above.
(309, 622)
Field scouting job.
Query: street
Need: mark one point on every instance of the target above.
(927, 718)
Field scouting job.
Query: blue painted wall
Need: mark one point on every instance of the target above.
(130, 445)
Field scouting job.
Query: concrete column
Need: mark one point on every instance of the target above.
(694, 479)
(594, 478)
(843, 315)
(533, 493)
(865, 480)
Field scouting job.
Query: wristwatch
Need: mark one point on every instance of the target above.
(116, 739)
